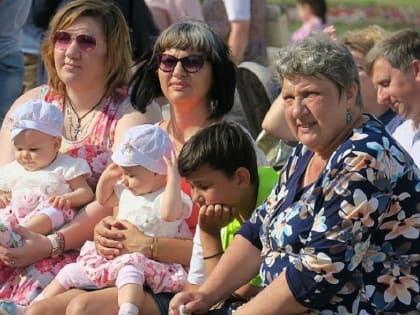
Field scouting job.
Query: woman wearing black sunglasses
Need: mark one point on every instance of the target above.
(87, 55)
(190, 66)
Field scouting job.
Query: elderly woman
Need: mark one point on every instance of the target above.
(339, 233)
(87, 56)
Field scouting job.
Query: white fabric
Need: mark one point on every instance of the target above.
(39, 115)
(144, 145)
(144, 212)
(197, 272)
(51, 180)
(409, 138)
(238, 10)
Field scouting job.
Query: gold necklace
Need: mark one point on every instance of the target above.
(78, 127)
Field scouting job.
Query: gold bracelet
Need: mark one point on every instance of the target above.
(213, 256)
(154, 245)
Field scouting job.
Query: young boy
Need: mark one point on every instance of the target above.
(220, 164)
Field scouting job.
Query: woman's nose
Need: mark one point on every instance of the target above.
(73, 50)
(299, 108)
(179, 69)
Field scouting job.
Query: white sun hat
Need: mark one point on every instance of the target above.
(144, 145)
(38, 115)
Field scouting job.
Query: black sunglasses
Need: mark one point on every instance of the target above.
(191, 63)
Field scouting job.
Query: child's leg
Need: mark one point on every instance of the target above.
(130, 290)
(69, 277)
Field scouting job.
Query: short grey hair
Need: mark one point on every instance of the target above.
(399, 49)
(317, 55)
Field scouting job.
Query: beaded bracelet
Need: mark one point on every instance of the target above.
(213, 256)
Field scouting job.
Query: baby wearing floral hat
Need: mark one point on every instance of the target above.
(42, 187)
(143, 181)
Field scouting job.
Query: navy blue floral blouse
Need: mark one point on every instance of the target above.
(349, 242)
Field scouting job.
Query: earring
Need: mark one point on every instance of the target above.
(349, 116)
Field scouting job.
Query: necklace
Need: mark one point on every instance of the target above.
(78, 127)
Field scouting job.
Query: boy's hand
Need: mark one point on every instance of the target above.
(212, 218)
(59, 202)
(172, 167)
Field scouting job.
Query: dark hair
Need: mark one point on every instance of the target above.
(188, 35)
(319, 7)
(223, 146)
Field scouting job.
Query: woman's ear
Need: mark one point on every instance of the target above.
(243, 177)
(350, 93)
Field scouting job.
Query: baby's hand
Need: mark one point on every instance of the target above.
(59, 202)
(113, 172)
(5, 199)
(214, 217)
(172, 167)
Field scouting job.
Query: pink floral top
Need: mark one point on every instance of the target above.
(96, 146)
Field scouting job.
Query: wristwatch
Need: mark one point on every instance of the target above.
(57, 244)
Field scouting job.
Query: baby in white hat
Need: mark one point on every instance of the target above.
(145, 184)
(42, 187)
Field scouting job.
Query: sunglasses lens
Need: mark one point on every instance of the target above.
(62, 39)
(167, 63)
(192, 63)
(86, 42)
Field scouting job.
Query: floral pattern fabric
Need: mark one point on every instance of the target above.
(22, 285)
(348, 242)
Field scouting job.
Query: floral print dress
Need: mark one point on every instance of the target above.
(348, 242)
(22, 285)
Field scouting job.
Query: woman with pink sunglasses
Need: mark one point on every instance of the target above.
(88, 57)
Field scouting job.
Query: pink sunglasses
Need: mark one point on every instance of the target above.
(63, 40)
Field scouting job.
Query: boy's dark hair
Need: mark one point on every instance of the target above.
(224, 147)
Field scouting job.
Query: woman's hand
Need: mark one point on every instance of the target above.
(212, 218)
(134, 240)
(113, 238)
(35, 247)
(108, 236)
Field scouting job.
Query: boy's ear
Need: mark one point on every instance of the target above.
(243, 177)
